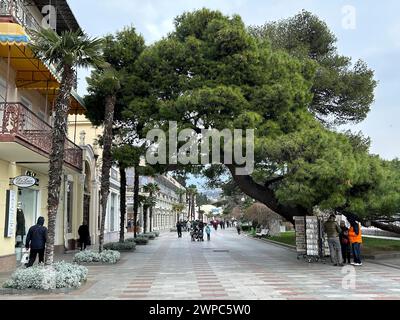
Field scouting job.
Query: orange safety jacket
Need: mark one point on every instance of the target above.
(353, 237)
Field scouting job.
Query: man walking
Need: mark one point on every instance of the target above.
(333, 230)
(179, 229)
(36, 242)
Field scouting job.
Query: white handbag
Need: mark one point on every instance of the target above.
(25, 257)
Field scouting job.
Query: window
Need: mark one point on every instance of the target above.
(26, 102)
(70, 203)
(3, 87)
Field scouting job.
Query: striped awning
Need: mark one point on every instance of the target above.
(31, 72)
(13, 34)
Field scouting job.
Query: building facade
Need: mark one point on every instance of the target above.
(28, 88)
(164, 216)
(81, 129)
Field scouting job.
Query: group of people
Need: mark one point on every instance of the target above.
(343, 241)
(36, 240)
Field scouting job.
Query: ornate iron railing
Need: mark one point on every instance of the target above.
(17, 121)
(19, 11)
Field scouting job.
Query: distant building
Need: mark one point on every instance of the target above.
(164, 217)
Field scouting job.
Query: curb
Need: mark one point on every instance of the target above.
(287, 246)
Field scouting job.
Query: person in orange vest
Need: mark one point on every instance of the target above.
(355, 238)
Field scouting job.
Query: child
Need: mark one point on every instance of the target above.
(208, 231)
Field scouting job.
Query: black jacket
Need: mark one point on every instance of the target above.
(84, 233)
(37, 236)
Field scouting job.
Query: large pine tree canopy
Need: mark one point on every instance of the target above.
(287, 81)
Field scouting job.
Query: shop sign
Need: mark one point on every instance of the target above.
(11, 209)
(24, 181)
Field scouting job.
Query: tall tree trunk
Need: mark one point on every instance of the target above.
(151, 219)
(107, 163)
(59, 133)
(122, 205)
(189, 209)
(267, 196)
(144, 219)
(135, 200)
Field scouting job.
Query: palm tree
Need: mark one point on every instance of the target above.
(105, 80)
(151, 189)
(148, 203)
(178, 208)
(67, 51)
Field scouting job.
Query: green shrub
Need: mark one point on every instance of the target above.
(246, 228)
(141, 240)
(151, 236)
(118, 246)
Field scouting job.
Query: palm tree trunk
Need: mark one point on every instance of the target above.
(135, 200)
(151, 219)
(122, 205)
(107, 163)
(144, 219)
(59, 132)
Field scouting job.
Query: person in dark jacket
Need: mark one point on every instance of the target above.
(345, 242)
(84, 235)
(36, 242)
(333, 230)
(179, 229)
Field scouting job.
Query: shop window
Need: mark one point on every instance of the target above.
(3, 87)
(26, 102)
(70, 203)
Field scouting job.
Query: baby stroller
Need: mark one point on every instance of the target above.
(197, 234)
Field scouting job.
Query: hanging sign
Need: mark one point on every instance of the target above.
(24, 181)
(11, 209)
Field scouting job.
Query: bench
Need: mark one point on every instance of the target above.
(263, 233)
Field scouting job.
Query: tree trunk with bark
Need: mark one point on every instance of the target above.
(135, 200)
(266, 196)
(59, 133)
(107, 163)
(151, 219)
(144, 219)
(122, 205)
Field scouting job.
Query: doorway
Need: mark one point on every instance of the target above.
(27, 215)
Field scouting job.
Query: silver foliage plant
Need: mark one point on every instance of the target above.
(40, 277)
(106, 256)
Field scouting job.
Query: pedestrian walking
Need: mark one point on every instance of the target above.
(36, 241)
(239, 227)
(333, 230)
(188, 225)
(355, 238)
(179, 229)
(208, 232)
(84, 235)
(345, 242)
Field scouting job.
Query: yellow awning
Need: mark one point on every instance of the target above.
(31, 72)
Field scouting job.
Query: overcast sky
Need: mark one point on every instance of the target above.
(374, 36)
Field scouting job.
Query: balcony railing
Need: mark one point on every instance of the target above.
(18, 11)
(19, 124)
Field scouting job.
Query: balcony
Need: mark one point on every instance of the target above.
(29, 138)
(17, 11)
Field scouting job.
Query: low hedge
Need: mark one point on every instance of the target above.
(106, 256)
(59, 275)
(118, 246)
(141, 240)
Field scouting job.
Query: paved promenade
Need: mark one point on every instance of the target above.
(228, 267)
